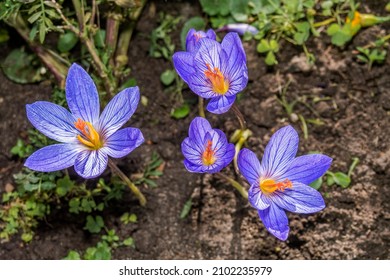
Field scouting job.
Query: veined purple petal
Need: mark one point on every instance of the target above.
(279, 152)
(221, 104)
(249, 166)
(308, 168)
(211, 34)
(194, 36)
(232, 45)
(184, 65)
(54, 157)
(81, 95)
(122, 142)
(193, 168)
(229, 154)
(275, 220)
(198, 128)
(209, 53)
(299, 199)
(53, 121)
(219, 141)
(91, 163)
(257, 198)
(118, 111)
(191, 152)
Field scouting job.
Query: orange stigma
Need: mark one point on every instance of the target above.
(197, 36)
(269, 186)
(356, 21)
(220, 85)
(89, 136)
(208, 155)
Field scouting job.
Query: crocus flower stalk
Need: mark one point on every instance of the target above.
(207, 150)
(215, 71)
(86, 139)
(280, 181)
(240, 28)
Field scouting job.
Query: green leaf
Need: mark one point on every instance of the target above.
(94, 225)
(215, 7)
(21, 67)
(342, 179)
(27, 237)
(34, 17)
(263, 46)
(333, 29)
(66, 42)
(197, 23)
(129, 242)
(167, 77)
(239, 9)
(316, 184)
(186, 209)
(42, 32)
(270, 59)
(181, 112)
(340, 39)
(273, 45)
(64, 185)
(72, 255)
(101, 252)
(99, 38)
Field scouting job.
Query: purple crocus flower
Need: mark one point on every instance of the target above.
(87, 139)
(240, 28)
(206, 150)
(194, 36)
(216, 71)
(281, 181)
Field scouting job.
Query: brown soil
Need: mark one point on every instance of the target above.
(222, 225)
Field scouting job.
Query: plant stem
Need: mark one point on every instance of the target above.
(239, 116)
(234, 184)
(112, 31)
(243, 137)
(49, 58)
(324, 22)
(129, 183)
(79, 8)
(201, 107)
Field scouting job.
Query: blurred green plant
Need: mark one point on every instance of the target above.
(291, 20)
(103, 249)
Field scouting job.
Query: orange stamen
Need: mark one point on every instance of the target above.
(208, 155)
(220, 85)
(269, 186)
(89, 136)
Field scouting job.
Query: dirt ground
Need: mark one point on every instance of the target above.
(221, 225)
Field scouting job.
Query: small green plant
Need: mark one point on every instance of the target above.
(154, 169)
(128, 218)
(337, 178)
(103, 249)
(374, 52)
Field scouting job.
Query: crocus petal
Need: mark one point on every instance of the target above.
(184, 65)
(197, 131)
(210, 55)
(193, 168)
(118, 111)
(257, 198)
(211, 34)
(81, 95)
(308, 168)
(229, 154)
(123, 142)
(279, 153)
(91, 163)
(54, 157)
(275, 220)
(53, 121)
(191, 152)
(249, 166)
(299, 199)
(221, 104)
